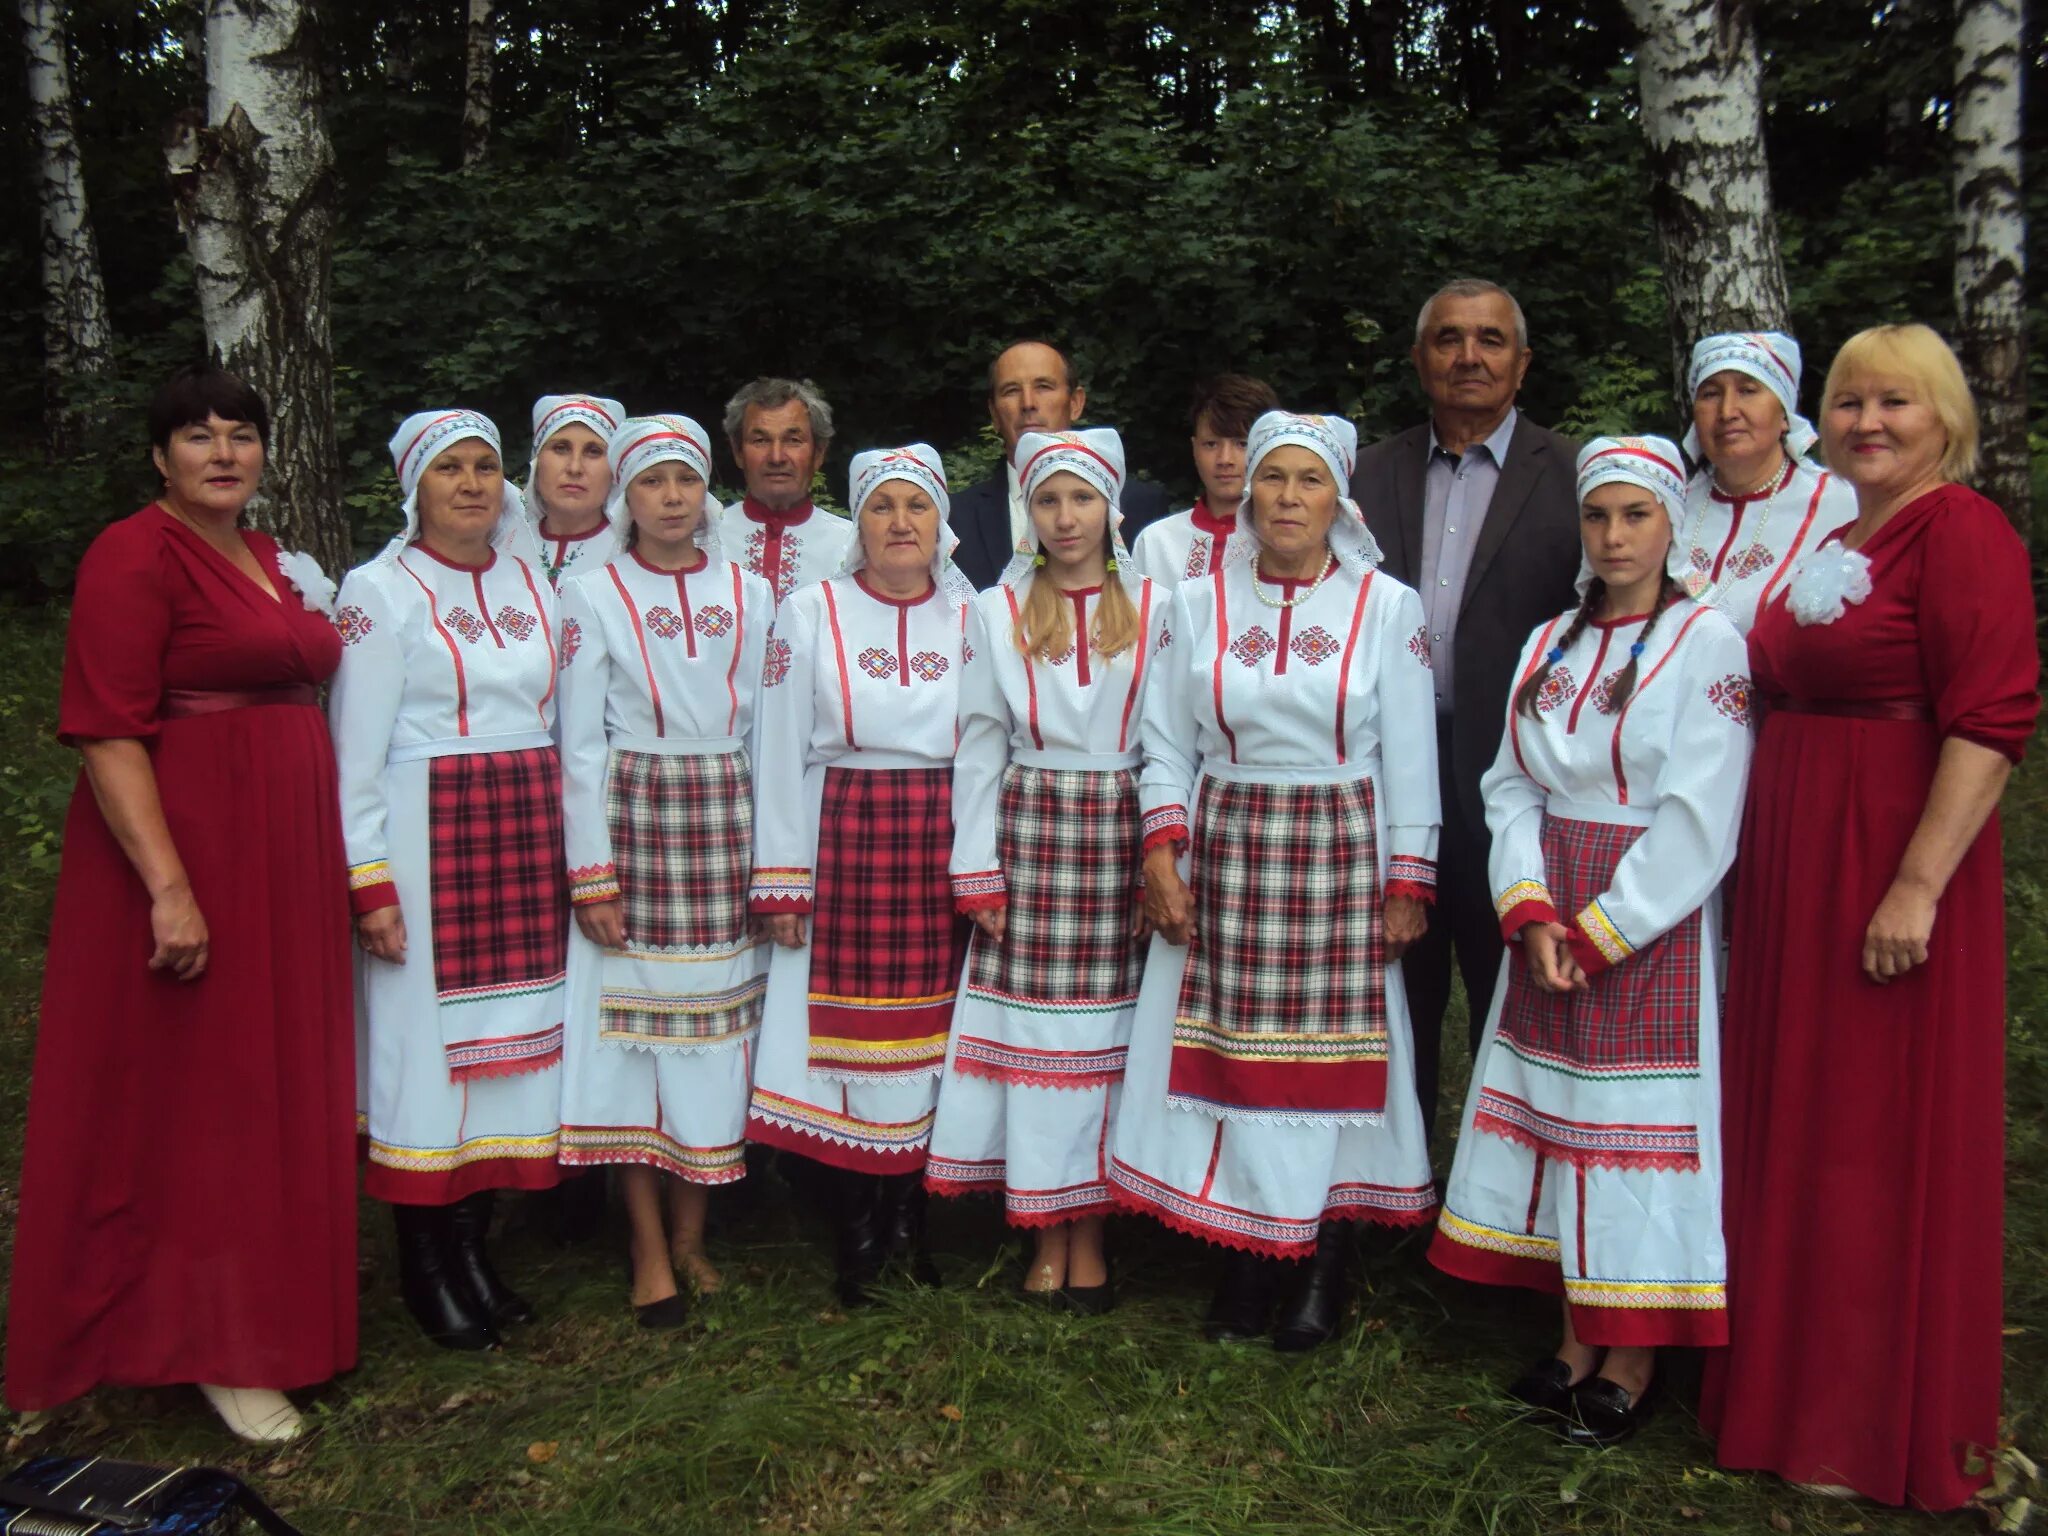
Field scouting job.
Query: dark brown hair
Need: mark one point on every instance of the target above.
(1232, 402)
(199, 390)
(1066, 362)
(1625, 680)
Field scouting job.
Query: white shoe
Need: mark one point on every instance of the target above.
(256, 1414)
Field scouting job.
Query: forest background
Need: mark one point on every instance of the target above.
(658, 201)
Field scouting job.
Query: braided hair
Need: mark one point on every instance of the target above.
(1625, 679)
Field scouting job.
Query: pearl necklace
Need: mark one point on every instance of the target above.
(1307, 592)
(1697, 585)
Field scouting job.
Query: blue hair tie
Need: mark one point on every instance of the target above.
(1635, 650)
(1556, 655)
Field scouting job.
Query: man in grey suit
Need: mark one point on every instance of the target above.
(1477, 509)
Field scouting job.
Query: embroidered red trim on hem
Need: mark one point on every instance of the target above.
(577, 1157)
(1129, 1200)
(992, 901)
(1024, 1077)
(1649, 1327)
(1177, 836)
(517, 1066)
(1482, 1266)
(767, 906)
(1630, 1162)
(835, 1154)
(397, 1187)
(1422, 893)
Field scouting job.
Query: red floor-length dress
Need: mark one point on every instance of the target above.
(1865, 1122)
(188, 1191)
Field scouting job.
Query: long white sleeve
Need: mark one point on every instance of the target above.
(586, 746)
(362, 710)
(1690, 842)
(783, 840)
(1411, 805)
(1172, 733)
(984, 752)
(1514, 820)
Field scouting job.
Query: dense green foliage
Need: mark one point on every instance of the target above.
(962, 1409)
(677, 197)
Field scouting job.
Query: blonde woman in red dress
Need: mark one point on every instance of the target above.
(1865, 1035)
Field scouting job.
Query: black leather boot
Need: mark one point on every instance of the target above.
(862, 1248)
(471, 1219)
(1314, 1302)
(433, 1289)
(904, 1197)
(1243, 1299)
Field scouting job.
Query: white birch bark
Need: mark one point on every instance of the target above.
(1702, 90)
(254, 185)
(476, 95)
(1991, 244)
(77, 340)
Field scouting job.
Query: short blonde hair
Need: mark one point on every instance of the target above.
(1918, 354)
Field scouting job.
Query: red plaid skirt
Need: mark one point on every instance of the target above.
(1068, 842)
(886, 944)
(1283, 1008)
(1642, 1016)
(683, 841)
(500, 890)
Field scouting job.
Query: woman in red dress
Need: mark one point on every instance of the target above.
(1865, 1035)
(188, 1203)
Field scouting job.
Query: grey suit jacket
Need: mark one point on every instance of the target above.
(1522, 574)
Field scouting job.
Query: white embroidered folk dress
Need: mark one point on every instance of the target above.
(1740, 551)
(661, 671)
(570, 555)
(1327, 692)
(1029, 1095)
(1589, 1158)
(1183, 547)
(788, 550)
(440, 660)
(856, 681)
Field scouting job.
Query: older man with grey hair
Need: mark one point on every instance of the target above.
(1477, 509)
(779, 431)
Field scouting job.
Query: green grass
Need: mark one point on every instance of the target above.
(962, 1409)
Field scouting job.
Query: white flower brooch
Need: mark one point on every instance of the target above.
(1827, 581)
(315, 590)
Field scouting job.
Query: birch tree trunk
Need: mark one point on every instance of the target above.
(254, 184)
(1991, 245)
(1702, 88)
(476, 98)
(76, 338)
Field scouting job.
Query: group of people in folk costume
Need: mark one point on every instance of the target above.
(1132, 880)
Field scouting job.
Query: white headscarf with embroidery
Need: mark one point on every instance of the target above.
(1769, 357)
(915, 464)
(644, 440)
(1650, 462)
(1335, 441)
(551, 413)
(422, 436)
(1096, 455)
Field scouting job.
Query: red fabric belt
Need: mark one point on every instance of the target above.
(1859, 709)
(182, 702)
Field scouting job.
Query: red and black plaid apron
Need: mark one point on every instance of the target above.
(1640, 1017)
(501, 909)
(682, 828)
(1068, 842)
(886, 944)
(1283, 1009)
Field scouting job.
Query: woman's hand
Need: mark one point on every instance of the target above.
(1406, 921)
(603, 923)
(785, 928)
(178, 928)
(1547, 948)
(1141, 925)
(1897, 937)
(1168, 901)
(382, 934)
(991, 921)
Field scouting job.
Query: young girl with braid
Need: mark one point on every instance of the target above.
(1589, 1162)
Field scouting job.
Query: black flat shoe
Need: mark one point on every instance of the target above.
(1310, 1312)
(1546, 1387)
(1244, 1298)
(1601, 1413)
(1086, 1300)
(669, 1312)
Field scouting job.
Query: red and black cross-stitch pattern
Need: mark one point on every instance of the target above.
(1289, 935)
(683, 843)
(1068, 842)
(1642, 1015)
(500, 884)
(883, 924)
